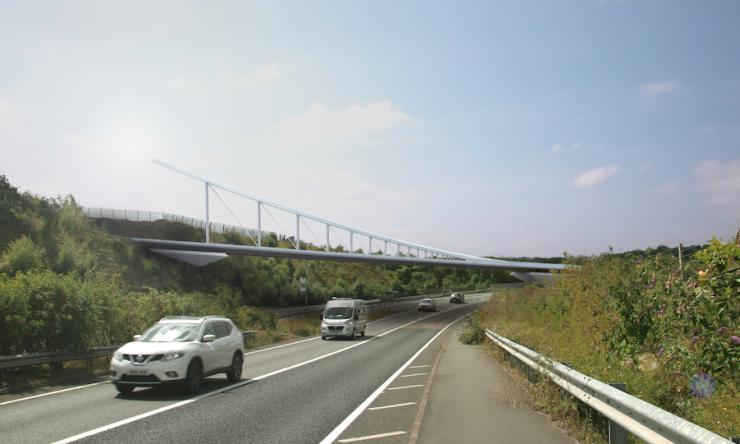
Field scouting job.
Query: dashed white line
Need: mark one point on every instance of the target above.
(331, 437)
(317, 337)
(52, 393)
(383, 407)
(413, 374)
(249, 381)
(369, 437)
(405, 387)
(419, 366)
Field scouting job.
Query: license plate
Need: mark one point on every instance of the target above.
(138, 372)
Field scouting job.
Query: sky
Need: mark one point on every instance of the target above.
(502, 128)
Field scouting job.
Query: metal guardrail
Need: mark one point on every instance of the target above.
(640, 418)
(29, 359)
(294, 311)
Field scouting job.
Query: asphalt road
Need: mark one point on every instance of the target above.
(293, 393)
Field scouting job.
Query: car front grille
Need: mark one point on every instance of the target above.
(336, 327)
(139, 378)
(140, 359)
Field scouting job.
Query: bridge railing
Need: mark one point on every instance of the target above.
(644, 420)
(153, 216)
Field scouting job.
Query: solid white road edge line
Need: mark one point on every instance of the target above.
(368, 437)
(331, 437)
(233, 386)
(383, 407)
(53, 393)
(245, 354)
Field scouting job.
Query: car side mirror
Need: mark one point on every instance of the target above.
(321, 316)
(137, 337)
(208, 338)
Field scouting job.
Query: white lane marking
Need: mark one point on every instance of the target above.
(317, 337)
(280, 346)
(405, 387)
(331, 437)
(368, 437)
(413, 374)
(404, 404)
(230, 387)
(53, 393)
(419, 366)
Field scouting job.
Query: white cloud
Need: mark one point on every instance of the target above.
(319, 124)
(268, 73)
(645, 168)
(263, 76)
(721, 183)
(595, 176)
(654, 89)
(560, 147)
(666, 188)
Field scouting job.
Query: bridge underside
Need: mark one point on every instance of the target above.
(199, 253)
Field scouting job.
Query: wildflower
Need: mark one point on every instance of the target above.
(694, 339)
(722, 330)
(735, 339)
(702, 273)
(702, 385)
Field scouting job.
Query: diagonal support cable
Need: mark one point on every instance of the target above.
(233, 215)
(269, 213)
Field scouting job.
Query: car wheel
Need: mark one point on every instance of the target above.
(362, 334)
(235, 372)
(323, 338)
(124, 389)
(194, 377)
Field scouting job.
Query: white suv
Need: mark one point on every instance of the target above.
(179, 349)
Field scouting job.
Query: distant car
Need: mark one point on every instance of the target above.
(179, 350)
(457, 298)
(427, 304)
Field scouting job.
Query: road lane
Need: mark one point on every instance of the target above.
(295, 406)
(66, 414)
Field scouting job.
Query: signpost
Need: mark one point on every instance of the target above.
(302, 281)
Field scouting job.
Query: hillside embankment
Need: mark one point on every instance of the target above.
(670, 332)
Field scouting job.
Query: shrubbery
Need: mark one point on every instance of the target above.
(69, 282)
(671, 334)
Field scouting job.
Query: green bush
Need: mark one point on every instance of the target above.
(672, 335)
(23, 255)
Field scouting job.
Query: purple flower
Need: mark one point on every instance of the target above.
(694, 339)
(702, 385)
(735, 339)
(721, 330)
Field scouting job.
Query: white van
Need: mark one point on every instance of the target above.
(344, 317)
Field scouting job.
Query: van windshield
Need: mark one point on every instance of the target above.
(338, 313)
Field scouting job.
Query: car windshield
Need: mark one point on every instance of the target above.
(426, 301)
(171, 333)
(338, 313)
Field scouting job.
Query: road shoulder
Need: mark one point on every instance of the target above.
(473, 400)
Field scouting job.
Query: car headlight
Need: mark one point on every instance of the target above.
(118, 356)
(173, 355)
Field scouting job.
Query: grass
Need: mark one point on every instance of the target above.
(566, 321)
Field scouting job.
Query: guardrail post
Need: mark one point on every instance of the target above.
(617, 434)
